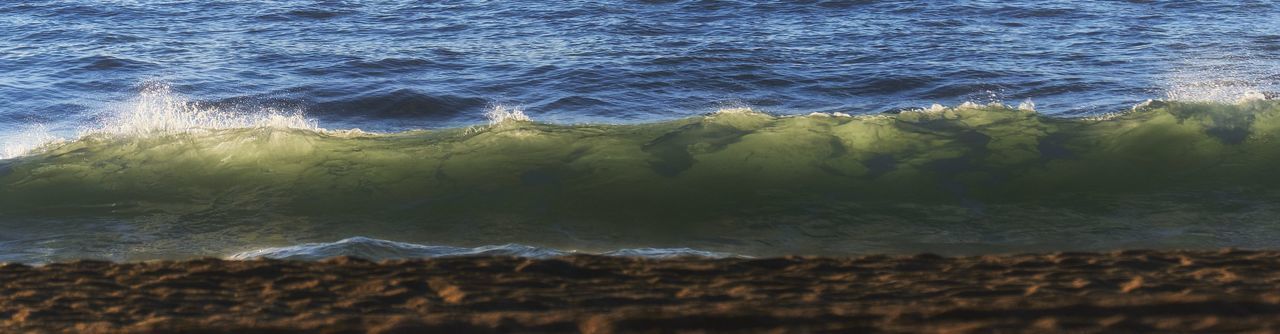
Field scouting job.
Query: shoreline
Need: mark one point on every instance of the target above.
(1130, 291)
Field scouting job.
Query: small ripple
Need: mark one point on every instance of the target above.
(575, 102)
(1055, 89)
(304, 14)
(399, 103)
(100, 63)
(1019, 12)
(889, 84)
(391, 63)
(957, 90)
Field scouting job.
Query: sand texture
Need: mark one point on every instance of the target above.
(1221, 291)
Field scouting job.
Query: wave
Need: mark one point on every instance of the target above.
(377, 249)
(739, 181)
(972, 151)
(986, 153)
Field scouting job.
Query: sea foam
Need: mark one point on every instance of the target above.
(378, 249)
(158, 110)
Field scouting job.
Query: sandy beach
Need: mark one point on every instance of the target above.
(1129, 291)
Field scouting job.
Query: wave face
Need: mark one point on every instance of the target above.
(951, 180)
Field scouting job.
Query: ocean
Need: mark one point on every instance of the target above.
(141, 130)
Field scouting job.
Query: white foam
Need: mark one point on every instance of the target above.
(1027, 105)
(735, 111)
(500, 114)
(1223, 79)
(27, 140)
(937, 108)
(1215, 92)
(1252, 96)
(159, 111)
(378, 249)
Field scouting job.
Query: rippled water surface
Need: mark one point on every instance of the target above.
(140, 129)
(378, 64)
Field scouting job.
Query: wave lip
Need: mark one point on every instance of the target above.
(378, 249)
(158, 111)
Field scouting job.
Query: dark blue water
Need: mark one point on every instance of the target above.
(394, 65)
(132, 88)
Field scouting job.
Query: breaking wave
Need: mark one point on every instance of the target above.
(739, 181)
(157, 111)
(177, 154)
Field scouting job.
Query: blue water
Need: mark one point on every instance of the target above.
(392, 65)
(71, 68)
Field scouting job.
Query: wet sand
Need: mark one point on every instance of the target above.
(1219, 291)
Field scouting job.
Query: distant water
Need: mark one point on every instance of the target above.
(135, 130)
